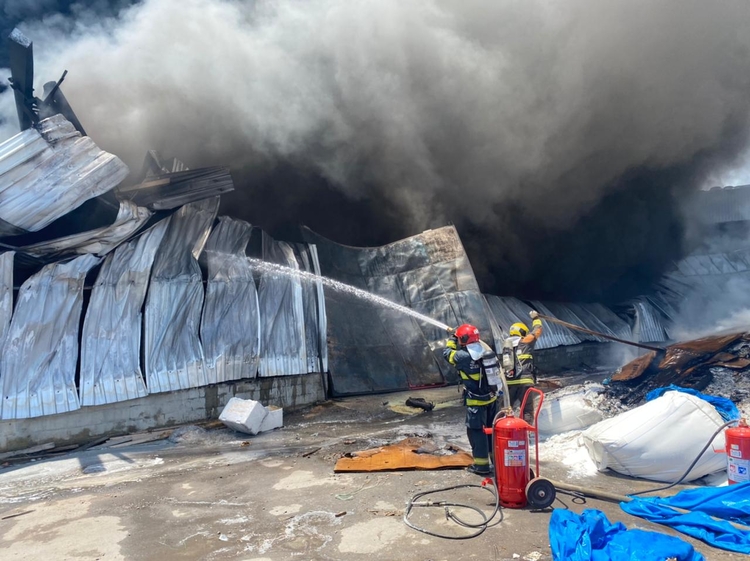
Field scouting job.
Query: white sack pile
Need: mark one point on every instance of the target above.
(570, 411)
(660, 439)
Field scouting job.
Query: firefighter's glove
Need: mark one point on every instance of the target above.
(534, 314)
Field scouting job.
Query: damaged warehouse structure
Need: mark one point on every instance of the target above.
(135, 289)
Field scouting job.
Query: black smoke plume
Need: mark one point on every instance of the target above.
(558, 138)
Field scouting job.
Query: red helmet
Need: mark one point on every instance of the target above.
(467, 334)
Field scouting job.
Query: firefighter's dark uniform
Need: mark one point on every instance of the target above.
(523, 375)
(480, 399)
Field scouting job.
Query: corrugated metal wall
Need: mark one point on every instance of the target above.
(374, 349)
(40, 352)
(282, 314)
(230, 325)
(111, 342)
(172, 348)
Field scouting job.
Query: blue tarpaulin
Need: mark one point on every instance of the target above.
(730, 503)
(590, 536)
(724, 406)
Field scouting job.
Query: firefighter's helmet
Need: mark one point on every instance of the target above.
(518, 330)
(467, 334)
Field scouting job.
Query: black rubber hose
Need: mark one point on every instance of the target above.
(692, 465)
(481, 526)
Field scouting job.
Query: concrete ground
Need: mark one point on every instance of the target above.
(217, 494)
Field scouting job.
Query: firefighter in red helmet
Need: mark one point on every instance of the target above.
(466, 352)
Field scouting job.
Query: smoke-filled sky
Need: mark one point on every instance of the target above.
(558, 137)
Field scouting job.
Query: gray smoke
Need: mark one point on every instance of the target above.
(556, 136)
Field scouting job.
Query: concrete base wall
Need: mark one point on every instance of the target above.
(158, 410)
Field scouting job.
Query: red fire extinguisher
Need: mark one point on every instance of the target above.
(738, 453)
(516, 487)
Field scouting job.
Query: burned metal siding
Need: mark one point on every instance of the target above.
(111, 341)
(39, 357)
(230, 325)
(173, 353)
(282, 317)
(47, 173)
(374, 349)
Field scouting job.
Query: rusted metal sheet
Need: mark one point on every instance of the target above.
(686, 364)
(410, 453)
(635, 368)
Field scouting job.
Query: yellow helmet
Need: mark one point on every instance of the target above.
(518, 330)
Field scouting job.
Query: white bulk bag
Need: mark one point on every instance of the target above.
(569, 411)
(659, 439)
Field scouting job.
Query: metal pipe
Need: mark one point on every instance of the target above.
(596, 333)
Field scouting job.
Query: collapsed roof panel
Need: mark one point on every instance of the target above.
(42, 181)
(130, 219)
(230, 324)
(172, 349)
(282, 314)
(376, 349)
(40, 353)
(171, 190)
(111, 341)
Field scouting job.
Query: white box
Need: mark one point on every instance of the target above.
(243, 415)
(274, 419)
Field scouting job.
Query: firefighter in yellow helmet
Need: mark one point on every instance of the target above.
(518, 363)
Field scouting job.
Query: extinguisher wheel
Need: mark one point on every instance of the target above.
(540, 493)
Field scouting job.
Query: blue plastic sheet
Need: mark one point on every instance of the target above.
(590, 536)
(723, 406)
(730, 503)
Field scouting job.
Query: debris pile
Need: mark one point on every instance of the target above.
(690, 364)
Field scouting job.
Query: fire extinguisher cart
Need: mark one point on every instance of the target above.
(517, 485)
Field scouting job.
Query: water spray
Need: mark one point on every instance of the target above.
(275, 268)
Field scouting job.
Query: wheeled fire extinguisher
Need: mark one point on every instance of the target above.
(738, 453)
(516, 484)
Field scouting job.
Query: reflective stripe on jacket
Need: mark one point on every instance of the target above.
(525, 373)
(477, 391)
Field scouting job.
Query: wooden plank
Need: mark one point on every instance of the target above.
(32, 450)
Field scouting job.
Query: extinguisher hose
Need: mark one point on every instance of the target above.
(692, 465)
(480, 527)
